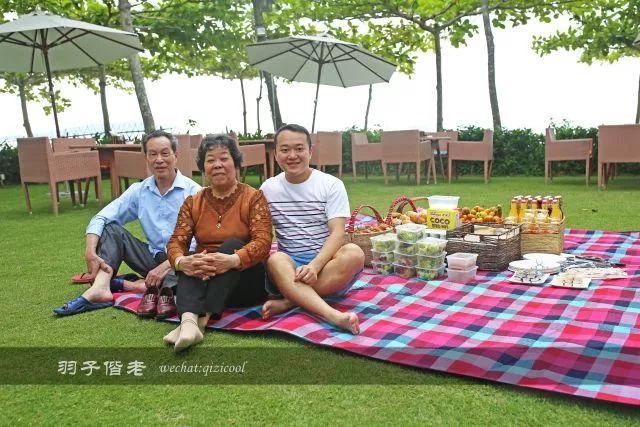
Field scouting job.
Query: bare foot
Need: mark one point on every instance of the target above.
(172, 337)
(349, 322)
(273, 307)
(138, 286)
(94, 294)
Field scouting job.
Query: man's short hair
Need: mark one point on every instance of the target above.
(293, 128)
(157, 134)
(211, 141)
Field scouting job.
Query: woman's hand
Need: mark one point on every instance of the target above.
(218, 263)
(206, 265)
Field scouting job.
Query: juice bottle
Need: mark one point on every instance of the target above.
(556, 212)
(545, 205)
(522, 207)
(513, 210)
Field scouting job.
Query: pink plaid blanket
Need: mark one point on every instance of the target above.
(578, 342)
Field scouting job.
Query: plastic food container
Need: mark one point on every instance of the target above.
(404, 271)
(427, 261)
(462, 276)
(430, 246)
(405, 248)
(382, 267)
(410, 233)
(382, 256)
(461, 260)
(384, 242)
(430, 273)
(432, 232)
(403, 259)
(443, 202)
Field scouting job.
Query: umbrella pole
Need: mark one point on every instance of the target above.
(51, 93)
(315, 103)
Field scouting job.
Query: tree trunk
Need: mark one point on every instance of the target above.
(258, 99)
(638, 109)
(244, 107)
(438, 50)
(366, 115)
(136, 70)
(491, 63)
(23, 103)
(103, 101)
(272, 92)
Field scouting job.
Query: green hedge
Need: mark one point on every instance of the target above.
(516, 152)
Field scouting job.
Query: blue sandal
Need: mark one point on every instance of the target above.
(80, 305)
(117, 283)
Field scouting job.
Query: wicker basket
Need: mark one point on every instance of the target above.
(363, 240)
(495, 252)
(398, 204)
(549, 243)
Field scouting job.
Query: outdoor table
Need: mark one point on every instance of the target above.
(105, 153)
(435, 144)
(270, 147)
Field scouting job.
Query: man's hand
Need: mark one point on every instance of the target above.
(95, 264)
(155, 276)
(307, 274)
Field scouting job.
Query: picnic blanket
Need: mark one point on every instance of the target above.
(578, 342)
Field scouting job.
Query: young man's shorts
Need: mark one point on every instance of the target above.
(299, 260)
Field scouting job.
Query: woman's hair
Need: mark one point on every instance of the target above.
(222, 140)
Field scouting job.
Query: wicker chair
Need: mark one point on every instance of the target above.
(184, 153)
(473, 151)
(404, 146)
(326, 150)
(39, 164)
(65, 145)
(363, 151)
(566, 149)
(616, 144)
(252, 155)
(129, 164)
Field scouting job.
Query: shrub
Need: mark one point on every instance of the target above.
(9, 163)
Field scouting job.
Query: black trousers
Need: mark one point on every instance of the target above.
(117, 245)
(233, 289)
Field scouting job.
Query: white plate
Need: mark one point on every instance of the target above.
(547, 267)
(545, 258)
(540, 281)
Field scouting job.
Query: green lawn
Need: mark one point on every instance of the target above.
(40, 252)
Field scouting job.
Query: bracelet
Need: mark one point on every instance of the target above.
(177, 263)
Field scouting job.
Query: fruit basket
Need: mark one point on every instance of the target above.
(496, 244)
(362, 236)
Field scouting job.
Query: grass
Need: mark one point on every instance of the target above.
(40, 252)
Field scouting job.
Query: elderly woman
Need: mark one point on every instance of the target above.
(232, 227)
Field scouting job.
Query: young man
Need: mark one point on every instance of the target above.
(309, 209)
(155, 202)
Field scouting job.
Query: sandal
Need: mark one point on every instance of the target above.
(82, 278)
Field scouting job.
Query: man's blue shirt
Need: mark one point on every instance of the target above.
(142, 201)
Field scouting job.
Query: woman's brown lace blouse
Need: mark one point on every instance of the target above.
(244, 214)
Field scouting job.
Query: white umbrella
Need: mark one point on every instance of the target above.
(42, 42)
(320, 60)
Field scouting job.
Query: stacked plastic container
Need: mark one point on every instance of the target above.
(462, 267)
(430, 253)
(382, 255)
(405, 262)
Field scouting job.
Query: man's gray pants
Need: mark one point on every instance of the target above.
(117, 245)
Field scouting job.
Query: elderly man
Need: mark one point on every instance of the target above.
(155, 202)
(309, 209)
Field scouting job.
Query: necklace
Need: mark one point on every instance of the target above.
(225, 194)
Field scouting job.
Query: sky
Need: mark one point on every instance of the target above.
(533, 91)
